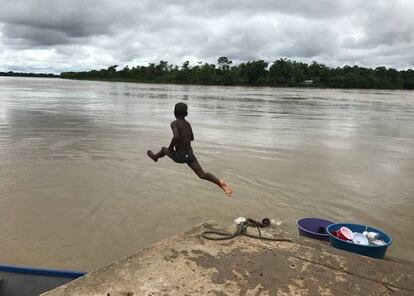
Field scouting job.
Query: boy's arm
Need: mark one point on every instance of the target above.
(176, 136)
(172, 144)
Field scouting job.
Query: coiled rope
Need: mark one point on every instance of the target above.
(241, 229)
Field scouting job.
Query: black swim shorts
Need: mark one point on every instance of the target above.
(183, 157)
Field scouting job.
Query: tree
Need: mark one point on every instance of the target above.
(254, 72)
(224, 63)
(282, 72)
(112, 69)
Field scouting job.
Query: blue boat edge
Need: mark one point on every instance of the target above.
(41, 271)
(29, 281)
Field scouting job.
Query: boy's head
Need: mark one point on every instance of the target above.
(180, 110)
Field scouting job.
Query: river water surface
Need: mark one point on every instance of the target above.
(78, 191)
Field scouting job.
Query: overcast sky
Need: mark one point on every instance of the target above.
(66, 35)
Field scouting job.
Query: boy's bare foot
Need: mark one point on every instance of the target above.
(151, 155)
(226, 188)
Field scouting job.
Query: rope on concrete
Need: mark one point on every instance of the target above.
(241, 229)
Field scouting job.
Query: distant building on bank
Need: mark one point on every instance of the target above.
(307, 82)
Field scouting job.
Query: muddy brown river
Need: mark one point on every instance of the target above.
(77, 190)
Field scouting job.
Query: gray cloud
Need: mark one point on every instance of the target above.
(60, 35)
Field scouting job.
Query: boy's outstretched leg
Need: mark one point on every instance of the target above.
(164, 151)
(195, 166)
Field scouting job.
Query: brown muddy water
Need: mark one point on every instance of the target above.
(77, 190)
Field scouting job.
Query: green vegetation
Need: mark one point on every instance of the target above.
(282, 72)
(21, 74)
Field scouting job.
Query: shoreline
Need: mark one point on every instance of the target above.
(318, 87)
(235, 85)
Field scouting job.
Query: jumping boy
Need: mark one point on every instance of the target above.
(180, 148)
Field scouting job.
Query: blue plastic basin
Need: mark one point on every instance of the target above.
(309, 227)
(370, 251)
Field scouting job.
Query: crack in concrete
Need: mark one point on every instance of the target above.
(356, 275)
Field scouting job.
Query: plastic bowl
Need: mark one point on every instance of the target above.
(309, 227)
(370, 251)
(345, 233)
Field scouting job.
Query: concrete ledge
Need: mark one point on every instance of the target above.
(191, 265)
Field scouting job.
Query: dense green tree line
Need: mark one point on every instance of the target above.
(282, 72)
(21, 74)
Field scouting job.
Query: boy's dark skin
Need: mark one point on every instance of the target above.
(180, 149)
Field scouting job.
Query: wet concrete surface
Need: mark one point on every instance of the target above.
(190, 265)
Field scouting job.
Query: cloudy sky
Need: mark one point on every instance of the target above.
(65, 35)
